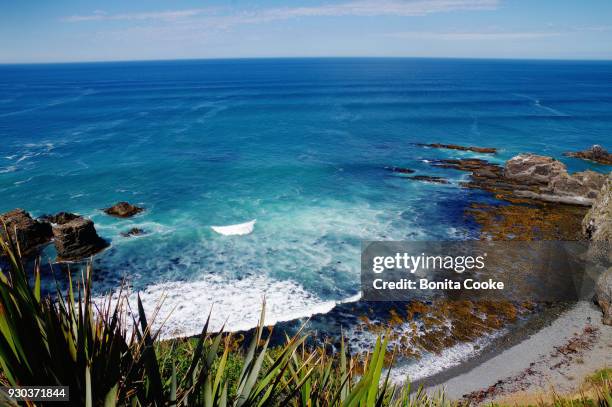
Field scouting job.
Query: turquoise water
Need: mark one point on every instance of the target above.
(301, 145)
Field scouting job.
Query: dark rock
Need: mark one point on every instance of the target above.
(461, 148)
(400, 170)
(123, 210)
(603, 294)
(60, 218)
(596, 153)
(27, 232)
(466, 164)
(77, 239)
(429, 178)
(133, 232)
(485, 173)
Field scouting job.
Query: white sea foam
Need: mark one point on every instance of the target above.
(238, 229)
(114, 229)
(6, 170)
(539, 105)
(23, 181)
(431, 364)
(235, 304)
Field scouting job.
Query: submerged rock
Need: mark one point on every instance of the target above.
(133, 232)
(596, 153)
(77, 239)
(400, 170)
(489, 150)
(429, 178)
(123, 210)
(27, 232)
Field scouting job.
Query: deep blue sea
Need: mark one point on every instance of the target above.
(300, 145)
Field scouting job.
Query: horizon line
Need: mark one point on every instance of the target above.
(101, 61)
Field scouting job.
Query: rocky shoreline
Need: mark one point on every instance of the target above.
(419, 328)
(74, 236)
(596, 154)
(534, 198)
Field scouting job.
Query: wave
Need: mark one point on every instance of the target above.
(51, 103)
(8, 169)
(235, 304)
(432, 364)
(238, 229)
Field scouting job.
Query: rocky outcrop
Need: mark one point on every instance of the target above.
(530, 177)
(596, 153)
(77, 239)
(28, 232)
(533, 169)
(133, 232)
(603, 294)
(597, 224)
(584, 184)
(550, 181)
(60, 218)
(123, 210)
(489, 150)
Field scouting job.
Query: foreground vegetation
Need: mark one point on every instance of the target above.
(109, 355)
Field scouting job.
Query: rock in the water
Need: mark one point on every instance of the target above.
(552, 180)
(29, 233)
(430, 178)
(133, 232)
(597, 224)
(123, 210)
(400, 170)
(529, 177)
(603, 293)
(462, 148)
(77, 239)
(596, 153)
(60, 218)
(533, 169)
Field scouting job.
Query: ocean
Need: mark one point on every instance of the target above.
(299, 145)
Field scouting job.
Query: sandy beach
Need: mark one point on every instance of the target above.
(558, 356)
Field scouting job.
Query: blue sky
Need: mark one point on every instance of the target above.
(70, 30)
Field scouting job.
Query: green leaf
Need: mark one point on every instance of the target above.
(111, 397)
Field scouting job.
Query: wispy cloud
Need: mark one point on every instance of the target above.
(171, 15)
(378, 8)
(363, 8)
(473, 36)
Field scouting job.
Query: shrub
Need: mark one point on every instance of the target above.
(69, 340)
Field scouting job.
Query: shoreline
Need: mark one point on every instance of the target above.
(536, 364)
(505, 340)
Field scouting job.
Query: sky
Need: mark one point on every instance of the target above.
(86, 30)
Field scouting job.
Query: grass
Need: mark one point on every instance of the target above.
(67, 339)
